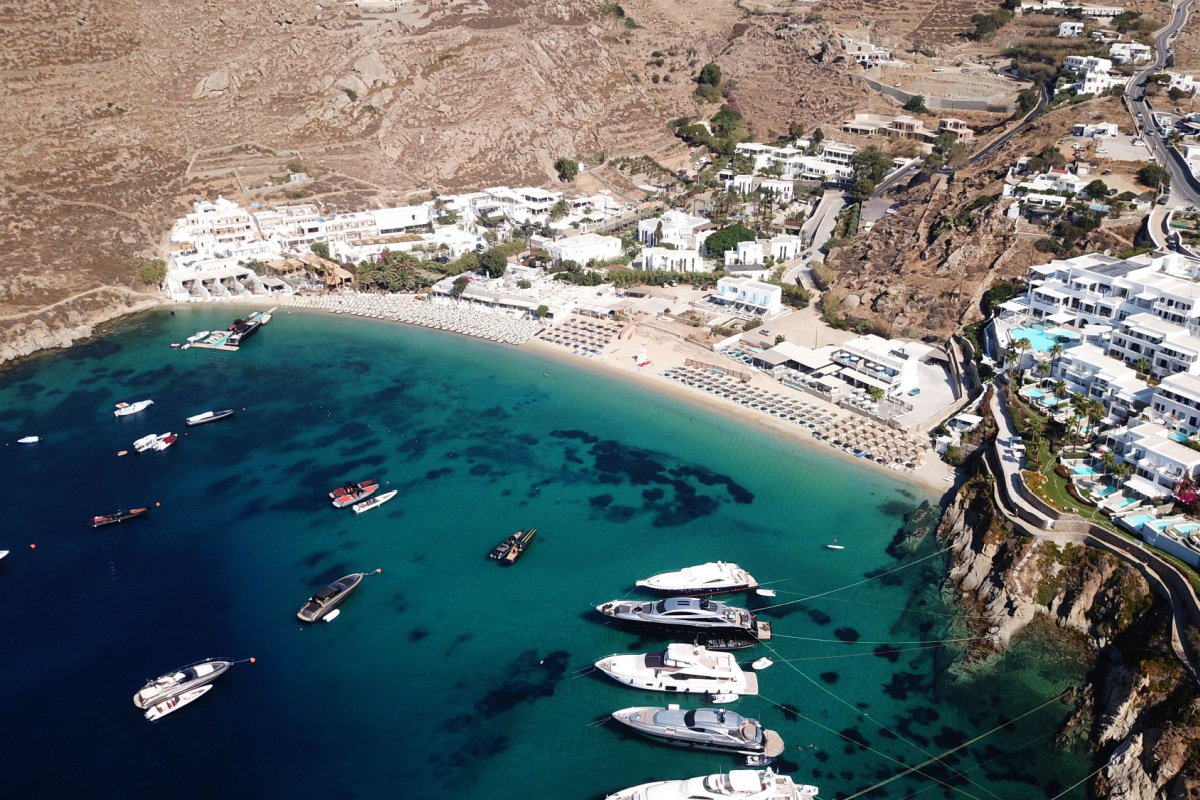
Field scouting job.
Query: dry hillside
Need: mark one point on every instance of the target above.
(116, 114)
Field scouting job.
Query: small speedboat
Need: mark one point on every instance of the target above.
(350, 486)
(350, 498)
(178, 681)
(520, 543)
(176, 345)
(118, 516)
(160, 710)
(125, 409)
(165, 441)
(195, 337)
(329, 598)
(145, 443)
(375, 501)
(765, 592)
(209, 416)
(3, 553)
(29, 440)
(762, 663)
(500, 550)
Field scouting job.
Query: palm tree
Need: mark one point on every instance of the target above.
(1109, 460)
(1060, 389)
(1142, 365)
(1043, 368)
(1073, 429)
(1056, 351)
(1122, 471)
(1022, 346)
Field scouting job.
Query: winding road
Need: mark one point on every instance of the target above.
(1185, 189)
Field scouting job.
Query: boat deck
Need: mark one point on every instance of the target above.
(228, 347)
(772, 744)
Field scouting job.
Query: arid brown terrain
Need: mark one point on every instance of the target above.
(117, 114)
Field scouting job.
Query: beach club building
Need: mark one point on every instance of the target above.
(874, 362)
(749, 296)
(664, 258)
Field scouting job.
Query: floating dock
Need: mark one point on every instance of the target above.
(220, 343)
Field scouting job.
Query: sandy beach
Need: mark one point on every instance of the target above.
(666, 350)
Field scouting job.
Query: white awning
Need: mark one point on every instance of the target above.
(1147, 488)
(1015, 305)
(1061, 317)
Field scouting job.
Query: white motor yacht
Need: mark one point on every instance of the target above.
(740, 784)
(179, 681)
(683, 669)
(160, 710)
(145, 443)
(195, 337)
(125, 409)
(715, 577)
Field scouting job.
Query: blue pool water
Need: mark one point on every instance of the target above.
(1083, 470)
(1105, 492)
(1137, 521)
(1034, 393)
(1126, 503)
(445, 670)
(1178, 437)
(1036, 336)
(1187, 527)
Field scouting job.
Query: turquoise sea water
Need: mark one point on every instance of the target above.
(446, 676)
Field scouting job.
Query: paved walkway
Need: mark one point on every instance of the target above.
(1162, 576)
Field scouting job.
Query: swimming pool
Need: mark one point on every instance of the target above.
(1178, 437)
(1083, 470)
(1036, 336)
(1126, 503)
(1187, 527)
(1034, 393)
(1137, 522)
(1105, 492)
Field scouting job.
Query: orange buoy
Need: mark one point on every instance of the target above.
(252, 661)
(123, 452)
(33, 547)
(379, 570)
(156, 505)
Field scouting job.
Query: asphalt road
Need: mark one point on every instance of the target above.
(1185, 189)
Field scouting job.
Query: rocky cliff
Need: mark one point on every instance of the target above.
(1141, 714)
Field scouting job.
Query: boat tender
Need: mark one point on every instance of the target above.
(712, 729)
(195, 337)
(521, 542)
(125, 409)
(209, 416)
(715, 577)
(740, 784)
(683, 669)
(164, 440)
(350, 498)
(692, 614)
(178, 681)
(375, 501)
(117, 516)
(329, 598)
(349, 487)
(160, 710)
(29, 440)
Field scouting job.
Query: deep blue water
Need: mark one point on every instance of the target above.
(446, 676)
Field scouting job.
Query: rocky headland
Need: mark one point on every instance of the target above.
(1140, 712)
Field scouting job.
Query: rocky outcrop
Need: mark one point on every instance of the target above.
(1143, 716)
(69, 322)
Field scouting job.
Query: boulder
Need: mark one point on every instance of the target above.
(215, 84)
(371, 70)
